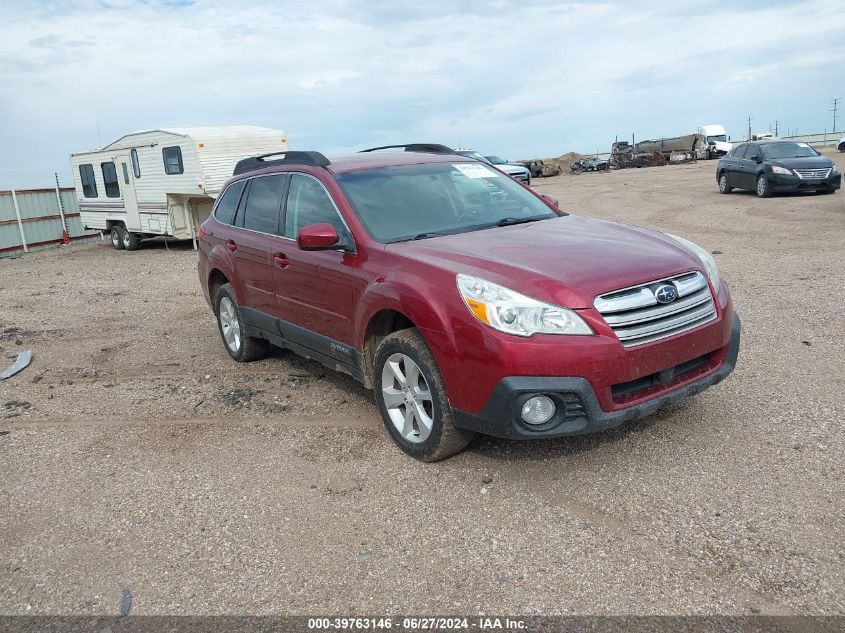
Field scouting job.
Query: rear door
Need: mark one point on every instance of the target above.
(733, 165)
(253, 242)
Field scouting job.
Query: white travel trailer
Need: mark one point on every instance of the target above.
(162, 182)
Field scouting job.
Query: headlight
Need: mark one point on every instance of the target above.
(781, 170)
(834, 171)
(705, 257)
(513, 313)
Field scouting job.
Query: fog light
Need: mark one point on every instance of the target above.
(538, 410)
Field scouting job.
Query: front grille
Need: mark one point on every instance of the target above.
(574, 408)
(813, 174)
(636, 317)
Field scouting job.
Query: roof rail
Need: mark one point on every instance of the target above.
(315, 159)
(428, 148)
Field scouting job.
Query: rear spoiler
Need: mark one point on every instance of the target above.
(314, 159)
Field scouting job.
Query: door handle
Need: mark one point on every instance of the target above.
(230, 244)
(281, 261)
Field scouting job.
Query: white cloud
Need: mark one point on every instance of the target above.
(510, 77)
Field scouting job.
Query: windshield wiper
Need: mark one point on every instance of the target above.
(512, 221)
(418, 236)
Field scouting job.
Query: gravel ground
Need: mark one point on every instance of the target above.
(140, 457)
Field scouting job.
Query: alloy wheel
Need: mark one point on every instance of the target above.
(407, 398)
(230, 325)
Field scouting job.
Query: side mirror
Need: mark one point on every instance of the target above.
(317, 237)
(551, 200)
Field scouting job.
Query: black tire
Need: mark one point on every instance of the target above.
(724, 187)
(842, 147)
(763, 190)
(248, 348)
(116, 235)
(131, 242)
(444, 439)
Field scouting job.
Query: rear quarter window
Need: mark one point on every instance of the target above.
(228, 203)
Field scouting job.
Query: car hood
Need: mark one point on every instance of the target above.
(566, 261)
(810, 162)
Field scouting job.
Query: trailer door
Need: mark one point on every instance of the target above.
(126, 176)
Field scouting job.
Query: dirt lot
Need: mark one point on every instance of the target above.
(139, 456)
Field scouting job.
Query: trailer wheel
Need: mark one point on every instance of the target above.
(131, 242)
(117, 237)
(240, 347)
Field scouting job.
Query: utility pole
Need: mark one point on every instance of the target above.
(749, 128)
(776, 128)
(834, 109)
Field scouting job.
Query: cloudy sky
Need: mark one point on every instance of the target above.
(519, 78)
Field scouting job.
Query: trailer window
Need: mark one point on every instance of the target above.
(110, 180)
(173, 160)
(228, 203)
(89, 185)
(136, 166)
(125, 174)
(263, 205)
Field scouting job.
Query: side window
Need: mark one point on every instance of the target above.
(752, 153)
(125, 174)
(89, 185)
(228, 203)
(739, 151)
(136, 166)
(110, 180)
(263, 204)
(309, 203)
(172, 160)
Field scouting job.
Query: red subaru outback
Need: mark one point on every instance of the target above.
(466, 301)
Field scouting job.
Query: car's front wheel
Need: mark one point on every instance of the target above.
(723, 184)
(412, 399)
(241, 347)
(763, 189)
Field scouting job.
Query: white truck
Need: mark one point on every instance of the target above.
(164, 181)
(716, 140)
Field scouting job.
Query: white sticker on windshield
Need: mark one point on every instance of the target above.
(803, 145)
(475, 170)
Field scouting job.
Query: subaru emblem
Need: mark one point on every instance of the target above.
(666, 294)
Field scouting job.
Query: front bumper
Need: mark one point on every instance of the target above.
(784, 183)
(578, 409)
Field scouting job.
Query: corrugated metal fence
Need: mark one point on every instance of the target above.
(32, 220)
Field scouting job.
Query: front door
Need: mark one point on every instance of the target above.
(317, 289)
(749, 168)
(127, 189)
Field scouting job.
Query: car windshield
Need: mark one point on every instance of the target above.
(419, 201)
(496, 160)
(719, 138)
(473, 154)
(788, 150)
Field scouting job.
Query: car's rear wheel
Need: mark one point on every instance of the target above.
(130, 241)
(412, 399)
(763, 190)
(240, 347)
(117, 237)
(723, 184)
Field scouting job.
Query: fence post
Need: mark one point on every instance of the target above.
(20, 224)
(65, 235)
